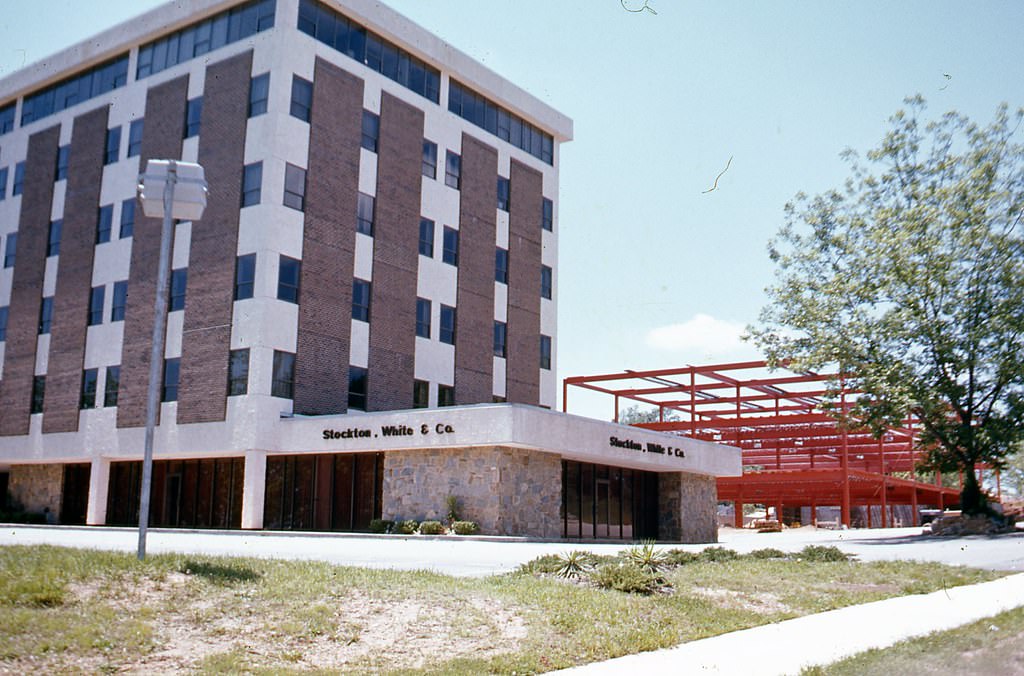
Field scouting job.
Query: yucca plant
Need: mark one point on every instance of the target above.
(573, 564)
(646, 557)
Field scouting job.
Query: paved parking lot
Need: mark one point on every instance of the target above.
(483, 556)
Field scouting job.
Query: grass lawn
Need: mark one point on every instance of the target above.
(990, 646)
(68, 609)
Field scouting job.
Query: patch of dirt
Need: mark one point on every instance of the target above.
(765, 603)
(356, 630)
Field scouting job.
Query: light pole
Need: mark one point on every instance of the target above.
(172, 190)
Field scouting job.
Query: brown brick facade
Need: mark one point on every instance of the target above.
(161, 139)
(206, 334)
(524, 254)
(474, 331)
(27, 283)
(74, 272)
(395, 257)
(328, 243)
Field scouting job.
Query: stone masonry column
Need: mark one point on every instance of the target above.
(99, 484)
(254, 490)
(687, 505)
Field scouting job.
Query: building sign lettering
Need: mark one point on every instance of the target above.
(387, 431)
(649, 447)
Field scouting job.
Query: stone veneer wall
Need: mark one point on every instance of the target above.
(37, 488)
(506, 491)
(687, 505)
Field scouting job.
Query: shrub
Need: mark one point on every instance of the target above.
(823, 553)
(452, 503)
(718, 554)
(464, 527)
(406, 527)
(768, 553)
(646, 557)
(548, 563)
(381, 525)
(573, 564)
(625, 577)
(680, 557)
(431, 528)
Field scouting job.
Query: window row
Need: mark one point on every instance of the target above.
(377, 53)
(87, 397)
(200, 38)
(70, 91)
(506, 125)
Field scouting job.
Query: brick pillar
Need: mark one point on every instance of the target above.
(392, 349)
(328, 243)
(74, 272)
(474, 334)
(161, 139)
(27, 283)
(206, 332)
(524, 254)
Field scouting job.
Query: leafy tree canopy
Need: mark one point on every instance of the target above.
(910, 279)
(632, 415)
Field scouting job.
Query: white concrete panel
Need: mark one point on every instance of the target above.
(103, 342)
(367, 174)
(359, 353)
(42, 354)
(60, 189)
(501, 302)
(437, 280)
(50, 276)
(182, 238)
(175, 322)
(363, 264)
(500, 369)
(501, 231)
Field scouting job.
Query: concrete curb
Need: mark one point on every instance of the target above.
(787, 647)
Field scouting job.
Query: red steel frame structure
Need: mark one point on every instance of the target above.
(794, 451)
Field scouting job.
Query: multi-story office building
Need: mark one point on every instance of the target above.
(381, 236)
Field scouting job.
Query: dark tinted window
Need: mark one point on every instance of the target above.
(10, 253)
(96, 297)
(427, 237)
(450, 249)
(19, 179)
(503, 193)
(62, 162)
(420, 394)
(357, 388)
(238, 372)
(53, 238)
(70, 91)
(3, 323)
(302, 99)
(179, 282)
(45, 315)
(104, 223)
(171, 372)
(294, 187)
(361, 300)
(288, 279)
(453, 170)
(259, 94)
(193, 116)
(500, 336)
(245, 276)
(501, 265)
(38, 392)
(113, 146)
(371, 131)
(547, 214)
(545, 282)
(110, 387)
(119, 302)
(429, 166)
(445, 395)
(423, 317)
(284, 375)
(545, 352)
(135, 137)
(447, 334)
(364, 214)
(127, 219)
(252, 182)
(87, 398)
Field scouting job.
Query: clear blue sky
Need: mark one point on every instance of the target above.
(653, 272)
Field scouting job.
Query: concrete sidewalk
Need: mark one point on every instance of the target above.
(787, 647)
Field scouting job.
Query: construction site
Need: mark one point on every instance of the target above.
(799, 463)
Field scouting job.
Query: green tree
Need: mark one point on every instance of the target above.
(910, 279)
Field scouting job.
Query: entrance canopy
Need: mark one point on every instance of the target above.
(794, 450)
